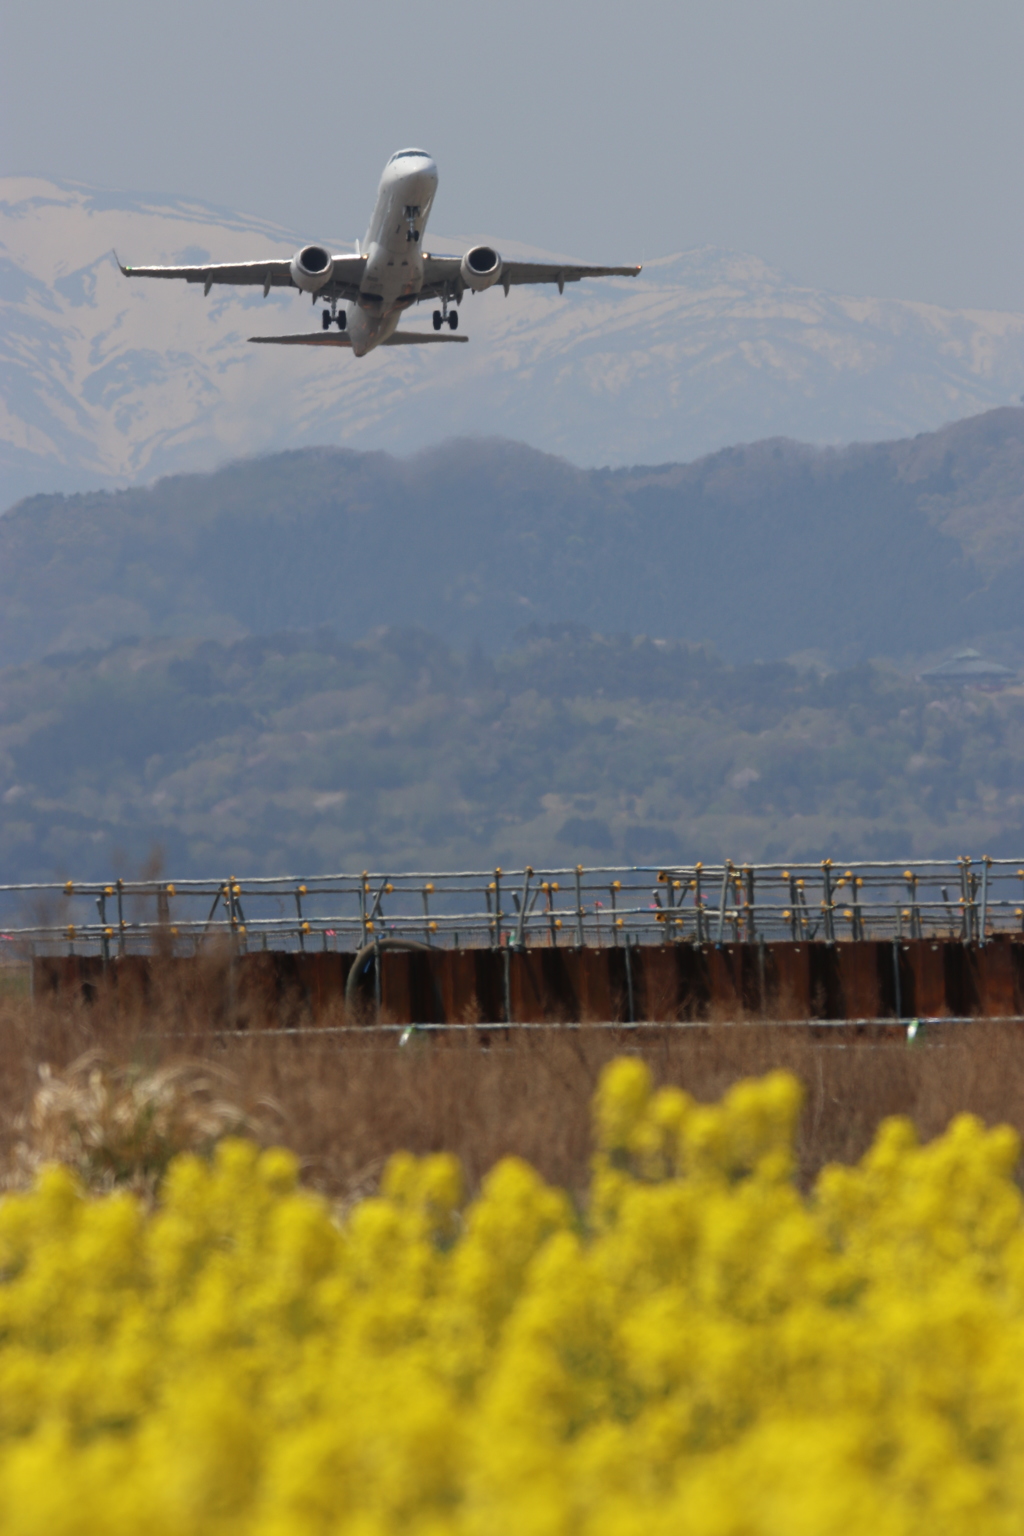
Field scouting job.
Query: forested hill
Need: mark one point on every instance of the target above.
(305, 753)
(899, 549)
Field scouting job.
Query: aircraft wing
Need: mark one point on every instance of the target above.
(345, 280)
(441, 272)
(550, 272)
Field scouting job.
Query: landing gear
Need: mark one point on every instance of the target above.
(442, 317)
(341, 321)
(327, 319)
(329, 316)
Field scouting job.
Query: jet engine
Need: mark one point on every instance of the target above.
(312, 268)
(480, 268)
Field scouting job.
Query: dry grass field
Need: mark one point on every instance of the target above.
(345, 1101)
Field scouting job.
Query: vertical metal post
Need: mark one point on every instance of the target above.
(986, 861)
(579, 907)
(497, 907)
(120, 917)
(521, 930)
(508, 985)
(101, 903)
(751, 924)
(896, 977)
(826, 880)
(722, 903)
(916, 927)
(552, 887)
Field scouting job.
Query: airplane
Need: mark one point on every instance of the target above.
(389, 272)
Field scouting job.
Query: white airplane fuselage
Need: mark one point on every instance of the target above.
(387, 275)
(393, 249)
(392, 272)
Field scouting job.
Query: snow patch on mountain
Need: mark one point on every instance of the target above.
(105, 381)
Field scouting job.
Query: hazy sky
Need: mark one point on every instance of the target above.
(873, 146)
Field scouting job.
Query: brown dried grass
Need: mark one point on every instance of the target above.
(344, 1102)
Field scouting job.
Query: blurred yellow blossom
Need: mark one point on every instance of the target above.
(701, 1348)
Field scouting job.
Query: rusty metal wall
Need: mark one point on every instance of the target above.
(676, 983)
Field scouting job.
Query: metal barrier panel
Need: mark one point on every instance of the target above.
(670, 984)
(790, 973)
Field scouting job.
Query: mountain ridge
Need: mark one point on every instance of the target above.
(106, 381)
(765, 550)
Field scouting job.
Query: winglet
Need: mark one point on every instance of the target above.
(125, 271)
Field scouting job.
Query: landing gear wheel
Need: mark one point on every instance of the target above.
(437, 319)
(341, 322)
(327, 319)
(453, 320)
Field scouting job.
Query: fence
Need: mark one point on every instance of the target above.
(962, 899)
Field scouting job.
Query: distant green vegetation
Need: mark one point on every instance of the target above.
(765, 551)
(302, 753)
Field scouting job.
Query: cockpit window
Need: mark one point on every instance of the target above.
(402, 154)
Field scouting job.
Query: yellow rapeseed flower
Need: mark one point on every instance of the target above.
(702, 1349)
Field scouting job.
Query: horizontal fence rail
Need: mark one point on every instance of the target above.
(965, 899)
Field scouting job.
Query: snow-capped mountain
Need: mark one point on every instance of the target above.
(106, 381)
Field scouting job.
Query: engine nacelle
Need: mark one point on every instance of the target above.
(312, 268)
(481, 267)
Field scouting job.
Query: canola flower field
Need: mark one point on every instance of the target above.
(701, 1348)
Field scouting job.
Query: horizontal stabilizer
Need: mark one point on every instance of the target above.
(340, 339)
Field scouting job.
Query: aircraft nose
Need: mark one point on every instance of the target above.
(424, 176)
(415, 167)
